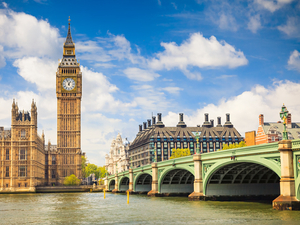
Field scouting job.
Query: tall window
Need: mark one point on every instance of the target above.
(204, 147)
(53, 173)
(22, 171)
(158, 145)
(184, 144)
(172, 145)
(178, 145)
(7, 171)
(165, 144)
(22, 154)
(7, 154)
(53, 160)
(23, 133)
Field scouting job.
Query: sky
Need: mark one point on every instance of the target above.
(140, 58)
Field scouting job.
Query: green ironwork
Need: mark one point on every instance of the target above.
(283, 115)
(197, 136)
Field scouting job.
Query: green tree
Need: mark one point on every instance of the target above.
(180, 152)
(101, 171)
(83, 166)
(71, 180)
(90, 168)
(231, 146)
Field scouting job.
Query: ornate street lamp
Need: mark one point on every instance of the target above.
(116, 168)
(197, 136)
(283, 115)
(130, 162)
(154, 150)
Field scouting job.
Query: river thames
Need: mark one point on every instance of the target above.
(91, 208)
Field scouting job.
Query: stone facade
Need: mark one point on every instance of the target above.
(118, 159)
(22, 153)
(68, 93)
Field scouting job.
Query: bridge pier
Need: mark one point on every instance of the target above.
(287, 199)
(198, 182)
(116, 190)
(130, 190)
(154, 191)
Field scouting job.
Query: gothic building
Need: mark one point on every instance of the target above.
(118, 159)
(164, 139)
(22, 164)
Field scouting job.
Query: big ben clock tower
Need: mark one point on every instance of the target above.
(68, 93)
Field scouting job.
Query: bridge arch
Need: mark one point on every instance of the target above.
(143, 182)
(124, 183)
(242, 178)
(178, 179)
(111, 185)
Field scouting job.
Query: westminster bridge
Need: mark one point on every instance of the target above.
(254, 172)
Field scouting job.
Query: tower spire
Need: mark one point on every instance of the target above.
(69, 41)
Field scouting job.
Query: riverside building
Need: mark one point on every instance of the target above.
(164, 139)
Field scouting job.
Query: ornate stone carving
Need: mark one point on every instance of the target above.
(206, 167)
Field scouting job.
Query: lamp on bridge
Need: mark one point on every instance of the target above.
(283, 115)
(197, 136)
(154, 150)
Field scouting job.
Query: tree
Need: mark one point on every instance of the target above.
(231, 146)
(101, 171)
(71, 180)
(180, 152)
(83, 166)
(90, 168)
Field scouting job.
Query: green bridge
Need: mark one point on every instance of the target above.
(255, 172)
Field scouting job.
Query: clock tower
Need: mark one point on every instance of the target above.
(68, 93)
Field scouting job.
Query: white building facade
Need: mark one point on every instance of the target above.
(118, 158)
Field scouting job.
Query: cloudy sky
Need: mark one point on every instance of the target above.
(144, 57)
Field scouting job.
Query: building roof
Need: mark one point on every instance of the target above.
(293, 132)
(188, 132)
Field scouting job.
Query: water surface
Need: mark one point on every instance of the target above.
(91, 208)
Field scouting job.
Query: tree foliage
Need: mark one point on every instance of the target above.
(231, 146)
(180, 152)
(71, 180)
(99, 171)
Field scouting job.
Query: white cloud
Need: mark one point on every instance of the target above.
(294, 61)
(23, 35)
(140, 75)
(5, 5)
(272, 5)
(173, 90)
(38, 71)
(197, 51)
(98, 93)
(291, 28)
(254, 23)
(227, 22)
(246, 107)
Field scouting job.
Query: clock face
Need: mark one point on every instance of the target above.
(68, 84)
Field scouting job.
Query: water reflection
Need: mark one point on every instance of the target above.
(91, 208)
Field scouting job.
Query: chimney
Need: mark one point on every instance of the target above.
(228, 123)
(145, 125)
(140, 128)
(261, 119)
(181, 123)
(153, 120)
(159, 122)
(219, 122)
(212, 123)
(206, 123)
(289, 121)
(149, 123)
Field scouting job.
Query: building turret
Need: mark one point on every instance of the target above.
(181, 123)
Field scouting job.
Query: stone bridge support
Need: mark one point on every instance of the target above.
(116, 190)
(198, 182)
(154, 191)
(106, 183)
(287, 199)
(130, 190)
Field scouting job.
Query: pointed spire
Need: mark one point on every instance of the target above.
(69, 40)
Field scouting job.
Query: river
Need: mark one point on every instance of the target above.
(92, 208)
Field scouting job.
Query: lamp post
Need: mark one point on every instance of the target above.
(283, 115)
(130, 162)
(197, 136)
(154, 160)
(116, 168)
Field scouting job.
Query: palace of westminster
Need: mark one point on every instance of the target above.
(25, 161)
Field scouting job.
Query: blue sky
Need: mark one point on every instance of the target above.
(144, 57)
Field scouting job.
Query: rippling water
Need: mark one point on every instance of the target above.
(91, 208)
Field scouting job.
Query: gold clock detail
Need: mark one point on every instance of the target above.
(68, 84)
